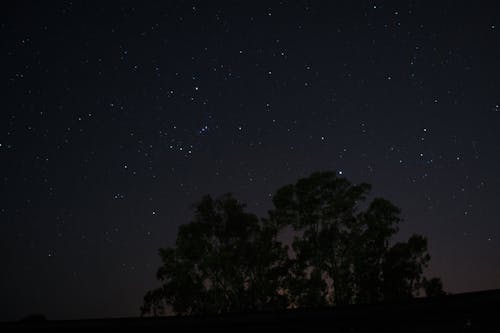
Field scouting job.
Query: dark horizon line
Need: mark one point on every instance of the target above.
(487, 294)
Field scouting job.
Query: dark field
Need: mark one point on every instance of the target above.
(468, 312)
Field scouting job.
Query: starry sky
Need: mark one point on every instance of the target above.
(117, 116)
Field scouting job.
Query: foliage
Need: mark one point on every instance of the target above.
(224, 260)
(433, 287)
(228, 260)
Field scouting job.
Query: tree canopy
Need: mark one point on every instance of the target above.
(229, 260)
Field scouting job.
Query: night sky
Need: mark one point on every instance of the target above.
(117, 116)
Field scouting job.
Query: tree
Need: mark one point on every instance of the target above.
(370, 240)
(225, 260)
(321, 209)
(433, 287)
(342, 253)
(228, 260)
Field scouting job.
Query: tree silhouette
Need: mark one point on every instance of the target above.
(433, 287)
(224, 260)
(228, 260)
(343, 253)
(321, 208)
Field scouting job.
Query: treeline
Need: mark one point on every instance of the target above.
(229, 260)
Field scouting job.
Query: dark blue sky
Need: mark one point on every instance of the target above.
(117, 116)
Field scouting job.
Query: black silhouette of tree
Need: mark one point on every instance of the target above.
(321, 208)
(225, 260)
(343, 253)
(228, 260)
(433, 287)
